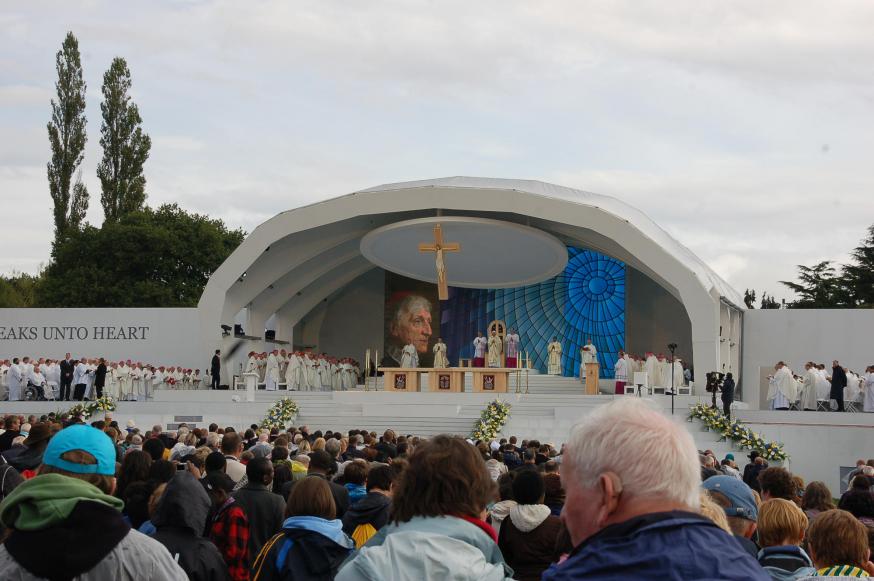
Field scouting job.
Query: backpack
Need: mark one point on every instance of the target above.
(362, 534)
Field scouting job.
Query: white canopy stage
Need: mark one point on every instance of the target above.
(511, 232)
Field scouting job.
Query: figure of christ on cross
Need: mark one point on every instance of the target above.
(439, 247)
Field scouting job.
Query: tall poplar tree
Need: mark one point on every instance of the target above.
(67, 139)
(125, 146)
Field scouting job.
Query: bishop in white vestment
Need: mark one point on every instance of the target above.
(409, 356)
(554, 357)
(496, 347)
(808, 388)
(440, 359)
(272, 371)
(781, 388)
(869, 390)
(479, 350)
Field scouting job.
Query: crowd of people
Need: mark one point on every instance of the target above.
(303, 370)
(821, 388)
(88, 378)
(627, 497)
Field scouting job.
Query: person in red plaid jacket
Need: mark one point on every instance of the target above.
(229, 527)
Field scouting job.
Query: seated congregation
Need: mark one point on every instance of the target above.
(627, 497)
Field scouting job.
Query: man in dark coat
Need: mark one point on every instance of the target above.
(264, 508)
(323, 466)
(180, 518)
(100, 378)
(215, 370)
(839, 382)
(727, 394)
(67, 367)
(373, 509)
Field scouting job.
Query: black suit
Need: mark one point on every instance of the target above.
(100, 379)
(839, 382)
(66, 379)
(215, 371)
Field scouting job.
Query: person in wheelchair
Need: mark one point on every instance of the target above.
(36, 384)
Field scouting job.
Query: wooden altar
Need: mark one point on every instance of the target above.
(402, 379)
(449, 379)
(491, 379)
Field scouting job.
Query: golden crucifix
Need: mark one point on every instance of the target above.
(439, 247)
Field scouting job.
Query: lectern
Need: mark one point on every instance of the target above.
(592, 373)
(251, 380)
(491, 379)
(400, 378)
(449, 380)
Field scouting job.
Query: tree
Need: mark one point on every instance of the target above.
(18, 289)
(859, 276)
(769, 302)
(125, 146)
(750, 298)
(818, 288)
(146, 258)
(67, 140)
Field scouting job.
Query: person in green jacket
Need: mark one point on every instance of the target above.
(68, 514)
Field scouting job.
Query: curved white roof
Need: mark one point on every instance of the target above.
(708, 278)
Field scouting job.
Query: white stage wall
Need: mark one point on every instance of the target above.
(800, 335)
(157, 336)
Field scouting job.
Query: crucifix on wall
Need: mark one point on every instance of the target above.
(439, 247)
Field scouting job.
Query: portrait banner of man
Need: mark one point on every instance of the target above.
(411, 318)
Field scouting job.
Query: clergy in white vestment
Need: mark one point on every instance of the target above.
(588, 354)
(158, 379)
(512, 350)
(136, 383)
(308, 373)
(52, 372)
(440, 359)
(38, 379)
(620, 373)
(282, 358)
(808, 388)
(110, 387)
(480, 344)
(663, 371)
(336, 375)
(854, 390)
(782, 388)
(292, 372)
(869, 389)
(123, 373)
(14, 380)
(823, 386)
(196, 379)
(496, 347)
(324, 373)
(553, 357)
(409, 356)
(89, 378)
(272, 373)
(251, 363)
(649, 366)
(678, 377)
(146, 384)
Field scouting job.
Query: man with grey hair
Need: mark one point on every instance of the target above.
(410, 324)
(631, 477)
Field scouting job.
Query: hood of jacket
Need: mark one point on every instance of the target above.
(367, 508)
(52, 510)
(527, 517)
(500, 510)
(184, 504)
(427, 550)
(47, 500)
(330, 529)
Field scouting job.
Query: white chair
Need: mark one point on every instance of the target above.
(823, 405)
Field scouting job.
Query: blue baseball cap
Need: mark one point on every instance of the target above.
(729, 456)
(743, 503)
(86, 439)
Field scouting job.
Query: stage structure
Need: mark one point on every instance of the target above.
(546, 259)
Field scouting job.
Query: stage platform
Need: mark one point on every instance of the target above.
(819, 442)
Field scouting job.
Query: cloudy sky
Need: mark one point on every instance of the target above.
(745, 129)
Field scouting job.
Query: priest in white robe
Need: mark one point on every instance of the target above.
(854, 390)
(496, 348)
(123, 373)
(553, 357)
(14, 380)
(409, 356)
(588, 354)
(272, 371)
(157, 379)
(440, 359)
(145, 384)
(868, 386)
(480, 344)
(678, 377)
(513, 346)
(808, 388)
(649, 366)
(620, 373)
(781, 387)
(308, 373)
(292, 372)
(251, 363)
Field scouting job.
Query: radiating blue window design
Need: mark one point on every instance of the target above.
(586, 300)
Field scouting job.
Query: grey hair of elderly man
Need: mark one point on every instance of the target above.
(332, 447)
(624, 460)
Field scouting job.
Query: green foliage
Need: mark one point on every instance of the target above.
(750, 298)
(147, 258)
(818, 287)
(67, 140)
(769, 302)
(125, 146)
(18, 289)
(859, 275)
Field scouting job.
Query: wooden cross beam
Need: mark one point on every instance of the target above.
(439, 247)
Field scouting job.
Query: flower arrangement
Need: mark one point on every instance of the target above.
(102, 404)
(80, 410)
(280, 414)
(491, 420)
(732, 429)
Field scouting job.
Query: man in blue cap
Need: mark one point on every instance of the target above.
(739, 504)
(66, 524)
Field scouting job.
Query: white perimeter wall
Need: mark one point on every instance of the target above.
(800, 335)
(157, 336)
